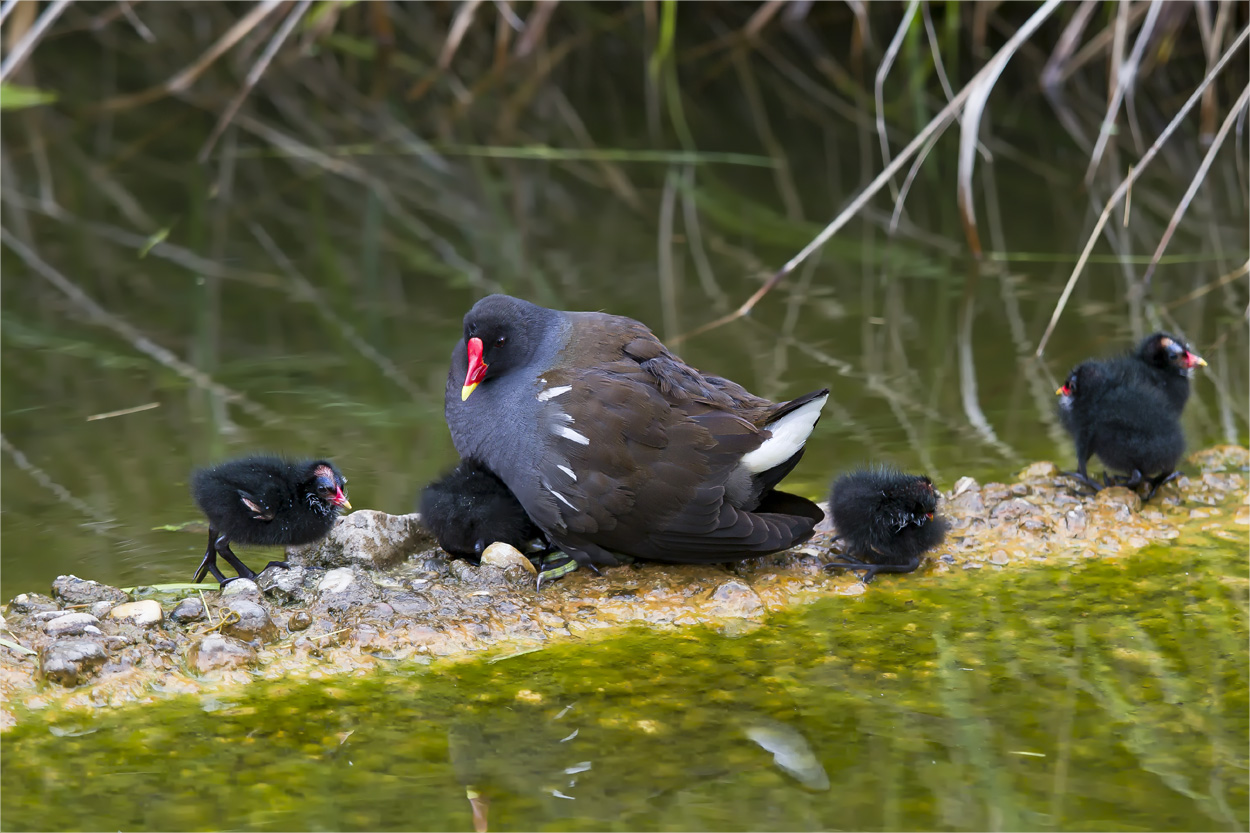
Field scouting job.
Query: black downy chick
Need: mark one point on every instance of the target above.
(265, 501)
(1165, 361)
(1125, 419)
(887, 520)
(469, 508)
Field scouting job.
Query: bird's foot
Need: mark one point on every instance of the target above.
(286, 565)
(1159, 480)
(554, 566)
(1128, 481)
(848, 562)
(1084, 479)
(209, 565)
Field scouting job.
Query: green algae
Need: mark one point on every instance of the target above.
(1112, 695)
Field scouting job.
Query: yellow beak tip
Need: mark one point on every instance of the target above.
(1201, 362)
(1059, 392)
(347, 504)
(466, 390)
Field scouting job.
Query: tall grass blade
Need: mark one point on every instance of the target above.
(1133, 174)
(1198, 179)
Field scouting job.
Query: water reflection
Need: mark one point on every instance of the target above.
(1111, 694)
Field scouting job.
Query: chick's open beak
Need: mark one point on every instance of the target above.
(477, 368)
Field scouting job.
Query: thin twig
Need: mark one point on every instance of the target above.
(188, 76)
(18, 53)
(1127, 183)
(1125, 78)
(258, 69)
(1194, 183)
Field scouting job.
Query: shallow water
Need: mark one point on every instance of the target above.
(1107, 696)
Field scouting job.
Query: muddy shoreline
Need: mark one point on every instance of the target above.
(380, 592)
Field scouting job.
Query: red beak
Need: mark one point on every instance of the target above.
(340, 499)
(477, 368)
(1194, 360)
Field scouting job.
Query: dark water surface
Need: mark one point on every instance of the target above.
(1112, 695)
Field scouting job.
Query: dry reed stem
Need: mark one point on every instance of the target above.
(185, 78)
(938, 122)
(1199, 177)
(1114, 199)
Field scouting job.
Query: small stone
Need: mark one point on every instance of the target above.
(217, 651)
(143, 613)
(463, 571)
(253, 622)
(1041, 470)
(287, 586)
(503, 555)
(73, 590)
(1074, 521)
(999, 557)
(345, 588)
(369, 539)
(336, 581)
(964, 484)
(300, 620)
(101, 609)
(969, 502)
(72, 624)
(1011, 509)
(410, 604)
(190, 609)
(737, 599)
(68, 661)
(240, 587)
(1119, 497)
(28, 603)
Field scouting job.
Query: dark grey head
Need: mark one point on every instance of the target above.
(1167, 352)
(322, 486)
(501, 334)
(1082, 378)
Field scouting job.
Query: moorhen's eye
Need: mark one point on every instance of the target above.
(501, 341)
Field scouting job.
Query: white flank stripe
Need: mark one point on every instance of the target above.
(563, 499)
(552, 393)
(788, 435)
(568, 471)
(570, 434)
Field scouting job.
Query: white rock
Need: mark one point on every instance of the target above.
(336, 581)
(145, 612)
(503, 556)
(71, 624)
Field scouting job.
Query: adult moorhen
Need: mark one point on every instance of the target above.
(266, 502)
(1125, 419)
(614, 446)
(887, 520)
(469, 508)
(1166, 362)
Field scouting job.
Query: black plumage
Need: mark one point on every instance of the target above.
(616, 447)
(886, 519)
(265, 501)
(469, 508)
(1125, 419)
(1162, 360)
